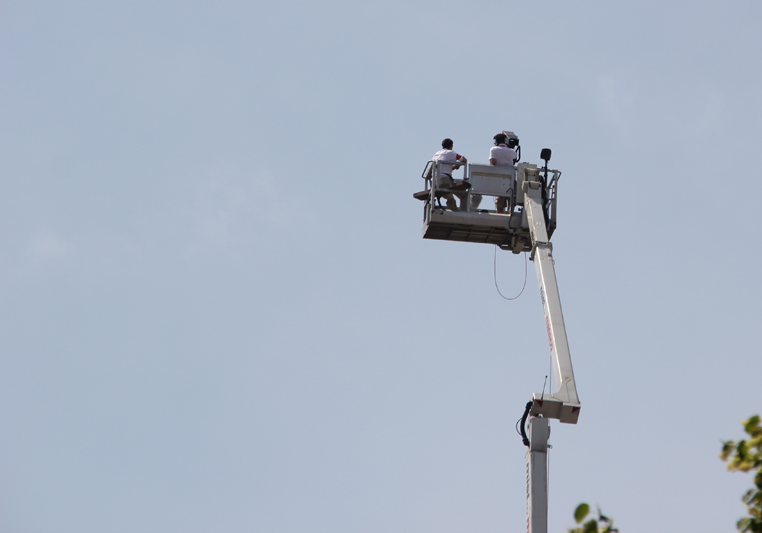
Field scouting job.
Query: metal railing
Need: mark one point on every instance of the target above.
(432, 170)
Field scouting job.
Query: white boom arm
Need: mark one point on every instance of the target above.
(564, 403)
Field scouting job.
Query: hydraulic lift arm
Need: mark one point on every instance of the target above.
(564, 403)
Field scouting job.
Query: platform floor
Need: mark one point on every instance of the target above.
(478, 226)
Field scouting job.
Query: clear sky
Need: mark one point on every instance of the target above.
(217, 312)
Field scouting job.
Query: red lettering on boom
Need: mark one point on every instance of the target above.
(550, 338)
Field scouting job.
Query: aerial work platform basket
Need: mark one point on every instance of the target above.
(468, 223)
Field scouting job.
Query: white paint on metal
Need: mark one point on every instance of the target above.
(542, 255)
(537, 476)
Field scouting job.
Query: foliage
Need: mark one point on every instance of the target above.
(743, 456)
(746, 456)
(602, 524)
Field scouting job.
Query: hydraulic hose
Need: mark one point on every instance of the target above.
(524, 417)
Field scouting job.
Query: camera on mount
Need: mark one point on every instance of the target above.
(513, 140)
(513, 143)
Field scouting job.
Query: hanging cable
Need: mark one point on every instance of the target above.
(494, 272)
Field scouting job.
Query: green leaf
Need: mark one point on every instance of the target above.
(751, 424)
(581, 512)
(591, 526)
(727, 449)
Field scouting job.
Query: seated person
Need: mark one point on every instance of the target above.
(501, 156)
(449, 161)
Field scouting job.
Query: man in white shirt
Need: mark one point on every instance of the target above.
(449, 161)
(501, 156)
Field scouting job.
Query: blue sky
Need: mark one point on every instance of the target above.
(217, 312)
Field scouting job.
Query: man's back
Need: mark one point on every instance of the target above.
(446, 156)
(503, 156)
